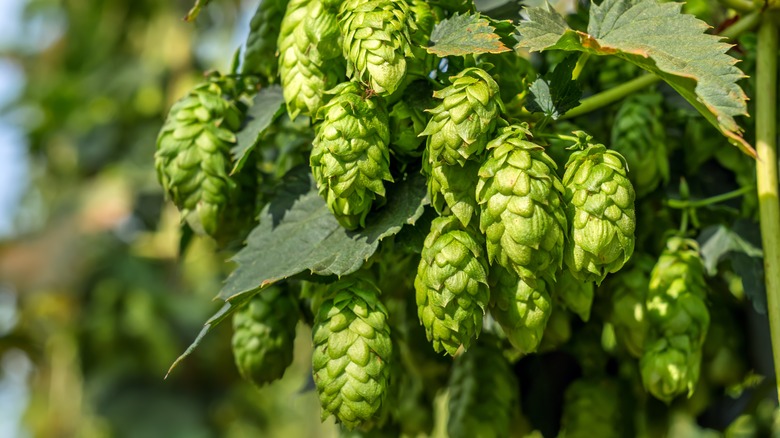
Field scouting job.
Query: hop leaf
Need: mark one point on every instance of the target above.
(350, 156)
(463, 120)
(451, 285)
(377, 41)
(193, 155)
(640, 137)
(352, 350)
(483, 393)
(678, 321)
(521, 307)
(261, 43)
(520, 201)
(263, 335)
(600, 210)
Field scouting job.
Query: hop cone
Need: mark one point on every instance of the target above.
(520, 200)
(628, 295)
(307, 64)
(483, 393)
(425, 17)
(453, 187)
(600, 210)
(193, 155)
(678, 320)
(451, 285)
(263, 335)
(521, 307)
(350, 156)
(461, 123)
(377, 41)
(640, 137)
(408, 120)
(593, 408)
(574, 294)
(260, 52)
(352, 348)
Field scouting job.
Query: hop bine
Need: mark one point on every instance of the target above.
(521, 307)
(600, 211)
(352, 349)
(193, 155)
(451, 285)
(678, 320)
(263, 335)
(350, 155)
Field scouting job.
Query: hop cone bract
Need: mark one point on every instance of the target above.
(263, 335)
(574, 294)
(260, 52)
(377, 41)
(628, 315)
(408, 120)
(600, 209)
(461, 123)
(640, 137)
(193, 155)
(678, 321)
(453, 187)
(521, 215)
(521, 307)
(483, 393)
(350, 157)
(308, 63)
(593, 408)
(352, 349)
(451, 285)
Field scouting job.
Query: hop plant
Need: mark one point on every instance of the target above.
(453, 187)
(377, 41)
(628, 292)
(593, 407)
(451, 285)
(575, 295)
(521, 307)
(678, 320)
(261, 43)
(263, 335)
(408, 120)
(460, 124)
(640, 137)
(352, 350)
(193, 154)
(600, 210)
(519, 196)
(350, 156)
(483, 393)
(308, 65)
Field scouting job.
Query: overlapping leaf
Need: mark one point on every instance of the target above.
(268, 105)
(658, 38)
(464, 35)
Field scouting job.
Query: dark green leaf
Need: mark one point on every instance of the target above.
(465, 35)
(556, 92)
(268, 105)
(658, 38)
(298, 233)
(717, 241)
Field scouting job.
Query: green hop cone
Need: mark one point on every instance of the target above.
(308, 27)
(600, 210)
(263, 335)
(260, 52)
(593, 408)
(352, 349)
(408, 120)
(628, 292)
(519, 196)
(639, 135)
(575, 295)
(521, 307)
(451, 285)
(483, 393)
(453, 187)
(678, 320)
(377, 41)
(461, 123)
(193, 155)
(350, 157)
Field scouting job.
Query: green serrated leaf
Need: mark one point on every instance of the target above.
(298, 233)
(718, 241)
(658, 38)
(556, 92)
(465, 34)
(195, 11)
(268, 105)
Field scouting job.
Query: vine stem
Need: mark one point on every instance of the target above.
(684, 203)
(766, 171)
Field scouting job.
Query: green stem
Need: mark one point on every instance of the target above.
(683, 203)
(766, 171)
(744, 24)
(739, 5)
